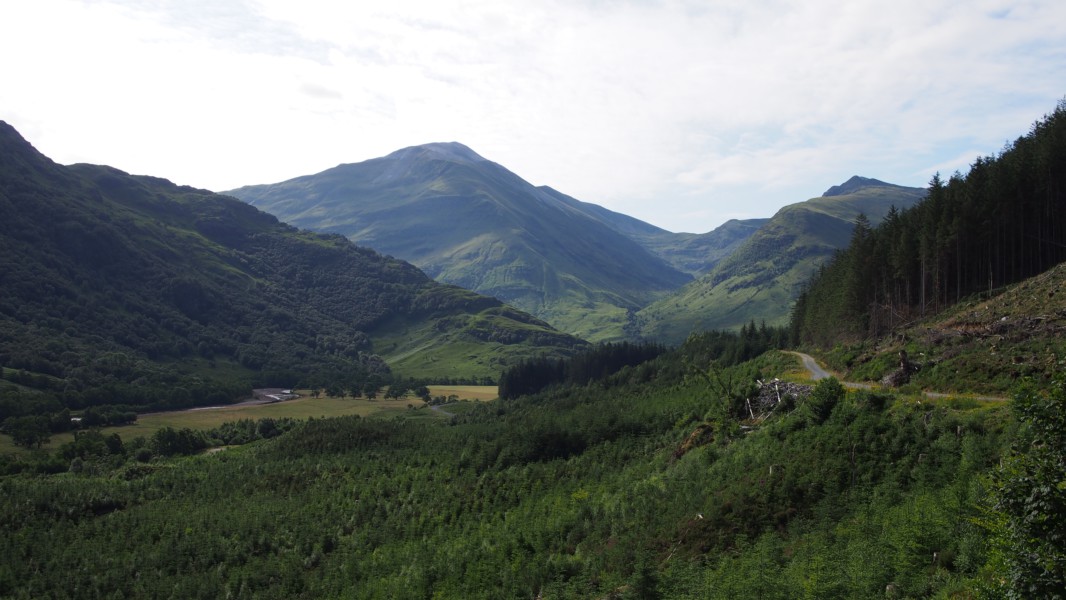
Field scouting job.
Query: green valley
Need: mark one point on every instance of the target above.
(651, 482)
(934, 467)
(586, 270)
(130, 293)
(470, 222)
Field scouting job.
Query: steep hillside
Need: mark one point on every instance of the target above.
(978, 345)
(698, 253)
(470, 222)
(1001, 223)
(761, 279)
(692, 253)
(116, 289)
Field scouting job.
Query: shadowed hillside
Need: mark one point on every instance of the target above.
(129, 290)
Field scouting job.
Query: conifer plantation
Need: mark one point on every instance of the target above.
(650, 482)
(1003, 222)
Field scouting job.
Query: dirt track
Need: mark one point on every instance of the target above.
(817, 372)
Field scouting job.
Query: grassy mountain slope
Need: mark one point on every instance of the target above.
(692, 253)
(762, 278)
(698, 253)
(131, 290)
(470, 222)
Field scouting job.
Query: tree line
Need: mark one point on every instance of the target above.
(1004, 221)
(598, 364)
(531, 376)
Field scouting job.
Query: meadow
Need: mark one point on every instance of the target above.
(304, 407)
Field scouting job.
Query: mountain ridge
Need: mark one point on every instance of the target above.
(189, 287)
(454, 151)
(475, 224)
(692, 253)
(761, 279)
(585, 269)
(854, 183)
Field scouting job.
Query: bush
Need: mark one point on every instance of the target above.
(826, 395)
(170, 442)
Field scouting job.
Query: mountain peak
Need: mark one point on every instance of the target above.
(449, 151)
(854, 184)
(16, 150)
(12, 141)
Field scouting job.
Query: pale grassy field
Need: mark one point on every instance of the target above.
(466, 392)
(301, 408)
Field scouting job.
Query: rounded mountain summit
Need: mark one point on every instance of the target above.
(586, 270)
(468, 221)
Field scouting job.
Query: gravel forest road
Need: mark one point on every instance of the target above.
(817, 372)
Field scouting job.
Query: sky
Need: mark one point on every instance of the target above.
(684, 114)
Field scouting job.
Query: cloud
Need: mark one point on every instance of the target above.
(664, 110)
(320, 92)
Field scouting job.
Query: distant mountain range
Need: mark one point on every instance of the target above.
(470, 222)
(587, 270)
(761, 279)
(133, 283)
(141, 287)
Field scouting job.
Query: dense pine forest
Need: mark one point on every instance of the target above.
(725, 348)
(531, 376)
(1002, 222)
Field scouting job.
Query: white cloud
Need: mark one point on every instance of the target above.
(681, 113)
